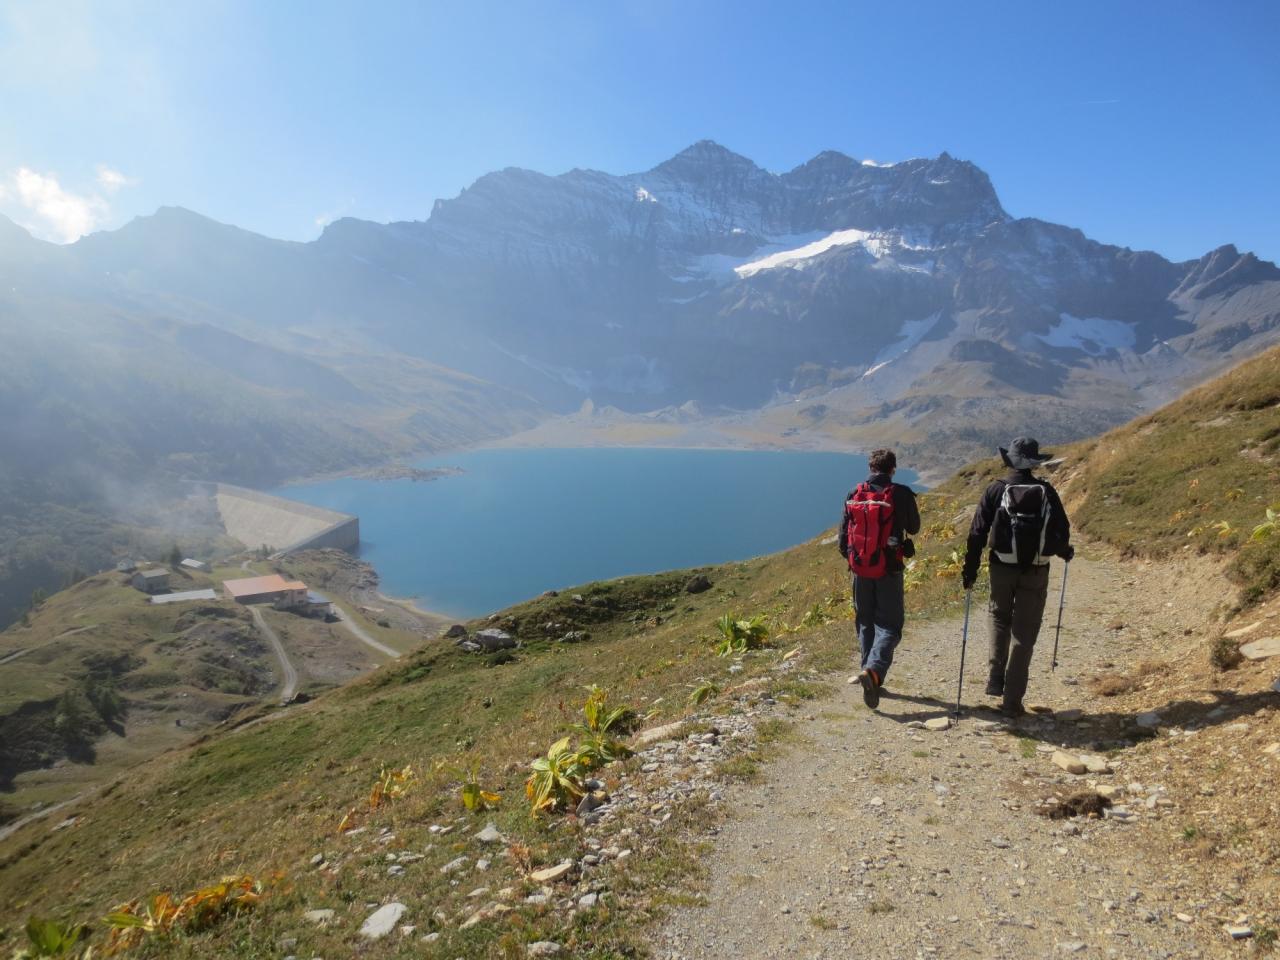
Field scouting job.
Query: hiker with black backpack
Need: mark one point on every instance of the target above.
(879, 515)
(1021, 519)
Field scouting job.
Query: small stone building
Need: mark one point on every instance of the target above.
(155, 580)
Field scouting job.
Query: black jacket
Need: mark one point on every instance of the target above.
(906, 515)
(1057, 536)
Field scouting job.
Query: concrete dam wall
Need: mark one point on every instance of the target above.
(286, 526)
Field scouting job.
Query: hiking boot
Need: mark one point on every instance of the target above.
(870, 689)
(995, 688)
(1013, 710)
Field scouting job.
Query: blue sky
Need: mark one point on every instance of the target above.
(1154, 125)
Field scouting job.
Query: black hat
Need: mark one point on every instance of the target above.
(1024, 454)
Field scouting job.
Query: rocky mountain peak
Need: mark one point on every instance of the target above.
(703, 158)
(1224, 270)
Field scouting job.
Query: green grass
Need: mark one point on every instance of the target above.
(1166, 480)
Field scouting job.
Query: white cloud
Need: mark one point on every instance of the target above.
(51, 212)
(112, 180)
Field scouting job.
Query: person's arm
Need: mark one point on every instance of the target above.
(907, 511)
(979, 529)
(1057, 535)
(842, 540)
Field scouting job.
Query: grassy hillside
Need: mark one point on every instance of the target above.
(268, 798)
(98, 680)
(1196, 475)
(271, 799)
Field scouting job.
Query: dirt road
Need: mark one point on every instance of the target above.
(288, 675)
(876, 837)
(363, 635)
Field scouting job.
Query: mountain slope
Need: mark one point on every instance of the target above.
(272, 797)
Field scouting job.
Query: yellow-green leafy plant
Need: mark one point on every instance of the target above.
(474, 797)
(162, 914)
(599, 745)
(556, 780)
(738, 635)
(48, 938)
(391, 784)
(815, 616)
(953, 566)
(1268, 526)
(704, 691)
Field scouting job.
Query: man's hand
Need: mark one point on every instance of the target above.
(1068, 553)
(968, 581)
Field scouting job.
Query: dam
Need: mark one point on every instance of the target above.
(285, 526)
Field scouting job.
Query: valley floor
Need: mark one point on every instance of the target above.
(874, 837)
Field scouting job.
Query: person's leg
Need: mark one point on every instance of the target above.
(889, 618)
(1028, 610)
(864, 599)
(1003, 583)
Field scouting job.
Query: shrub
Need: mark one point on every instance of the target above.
(1224, 654)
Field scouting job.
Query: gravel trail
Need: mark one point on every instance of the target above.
(875, 837)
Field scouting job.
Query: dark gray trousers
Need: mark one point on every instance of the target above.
(1017, 607)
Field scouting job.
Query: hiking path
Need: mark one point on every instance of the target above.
(871, 836)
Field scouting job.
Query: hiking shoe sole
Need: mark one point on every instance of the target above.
(995, 689)
(870, 692)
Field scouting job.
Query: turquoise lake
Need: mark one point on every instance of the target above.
(518, 522)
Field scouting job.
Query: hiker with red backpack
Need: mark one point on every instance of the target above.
(1022, 521)
(879, 515)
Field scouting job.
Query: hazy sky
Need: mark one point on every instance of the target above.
(1154, 125)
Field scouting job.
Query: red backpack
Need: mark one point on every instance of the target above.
(868, 522)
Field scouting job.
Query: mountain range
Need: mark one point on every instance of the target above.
(839, 304)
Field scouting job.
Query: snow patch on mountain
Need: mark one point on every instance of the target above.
(912, 332)
(1093, 335)
(793, 257)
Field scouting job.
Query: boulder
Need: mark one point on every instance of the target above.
(552, 874)
(491, 639)
(697, 584)
(489, 834)
(542, 948)
(575, 636)
(1261, 649)
(382, 921)
(1068, 762)
(938, 723)
(455, 631)
(1148, 719)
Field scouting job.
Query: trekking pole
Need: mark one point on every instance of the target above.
(964, 643)
(1061, 602)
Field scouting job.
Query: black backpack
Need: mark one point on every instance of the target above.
(1021, 523)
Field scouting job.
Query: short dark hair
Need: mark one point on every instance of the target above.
(882, 461)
